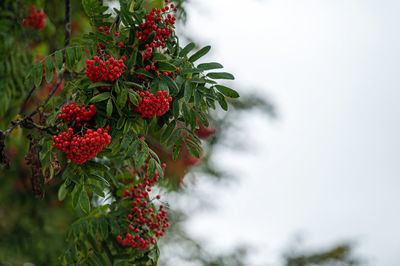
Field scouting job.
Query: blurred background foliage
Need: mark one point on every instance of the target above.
(32, 229)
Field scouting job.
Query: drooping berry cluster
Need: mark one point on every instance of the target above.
(151, 105)
(79, 113)
(110, 70)
(143, 217)
(36, 19)
(157, 21)
(82, 148)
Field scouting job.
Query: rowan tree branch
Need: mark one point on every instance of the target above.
(27, 121)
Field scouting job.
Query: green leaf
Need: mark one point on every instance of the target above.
(114, 226)
(75, 195)
(95, 189)
(159, 57)
(220, 75)
(94, 226)
(189, 71)
(62, 192)
(133, 84)
(227, 91)
(160, 170)
(168, 131)
(84, 225)
(37, 74)
(59, 60)
(197, 80)
(164, 66)
(84, 201)
(48, 68)
(137, 5)
(100, 97)
(176, 150)
(188, 91)
(70, 57)
(99, 84)
(133, 96)
(222, 102)
(122, 97)
(199, 53)
(132, 149)
(100, 179)
(89, 6)
(175, 109)
(103, 227)
(187, 49)
(208, 66)
(51, 171)
(140, 159)
(192, 150)
(126, 140)
(171, 83)
(78, 52)
(151, 169)
(109, 108)
(174, 137)
(145, 73)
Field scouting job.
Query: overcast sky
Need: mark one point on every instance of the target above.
(329, 167)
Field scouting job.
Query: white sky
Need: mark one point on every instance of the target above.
(329, 167)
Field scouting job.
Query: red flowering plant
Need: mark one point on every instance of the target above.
(128, 88)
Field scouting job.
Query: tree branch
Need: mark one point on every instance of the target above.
(26, 99)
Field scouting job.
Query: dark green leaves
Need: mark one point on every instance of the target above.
(98, 84)
(137, 5)
(187, 49)
(70, 57)
(208, 66)
(192, 150)
(177, 148)
(59, 60)
(199, 53)
(37, 74)
(220, 75)
(174, 137)
(84, 201)
(109, 108)
(133, 96)
(171, 83)
(159, 57)
(140, 159)
(100, 97)
(164, 66)
(89, 6)
(49, 68)
(62, 192)
(168, 131)
(188, 91)
(227, 91)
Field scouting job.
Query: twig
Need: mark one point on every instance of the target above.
(26, 99)
(116, 20)
(29, 117)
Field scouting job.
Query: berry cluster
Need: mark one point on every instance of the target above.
(151, 105)
(110, 70)
(82, 148)
(80, 114)
(143, 217)
(36, 19)
(157, 21)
